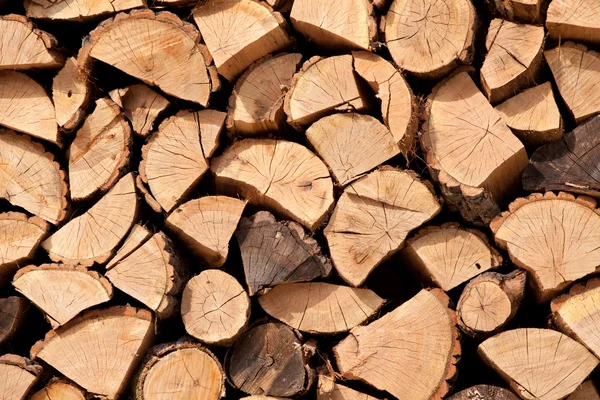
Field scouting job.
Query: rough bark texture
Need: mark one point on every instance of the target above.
(484, 392)
(12, 315)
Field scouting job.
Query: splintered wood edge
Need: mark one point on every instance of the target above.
(80, 114)
(557, 303)
(35, 220)
(28, 365)
(71, 268)
(175, 282)
(297, 76)
(145, 192)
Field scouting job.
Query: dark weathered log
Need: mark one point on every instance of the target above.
(484, 392)
(12, 316)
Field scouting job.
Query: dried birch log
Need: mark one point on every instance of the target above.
(59, 389)
(372, 219)
(539, 364)
(179, 370)
(138, 235)
(93, 236)
(586, 391)
(430, 38)
(17, 376)
(79, 10)
(470, 151)
(115, 338)
(575, 20)
(12, 316)
(283, 176)
(256, 104)
(489, 302)
(141, 105)
(215, 308)
(484, 392)
(328, 389)
(239, 32)
(319, 307)
(553, 237)
(278, 252)
(71, 94)
(421, 347)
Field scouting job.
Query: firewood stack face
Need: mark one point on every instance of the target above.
(299, 199)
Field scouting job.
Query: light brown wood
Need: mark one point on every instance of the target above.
(372, 219)
(239, 32)
(539, 364)
(141, 105)
(206, 226)
(59, 389)
(575, 20)
(420, 340)
(470, 151)
(586, 391)
(13, 311)
(71, 93)
(94, 235)
(138, 235)
(17, 376)
(78, 10)
(282, 176)
(328, 389)
(115, 338)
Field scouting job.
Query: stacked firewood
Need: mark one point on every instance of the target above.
(318, 199)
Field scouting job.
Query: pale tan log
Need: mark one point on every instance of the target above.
(71, 93)
(94, 235)
(324, 86)
(351, 144)
(470, 151)
(30, 178)
(59, 389)
(79, 10)
(137, 237)
(514, 59)
(539, 364)
(181, 370)
(420, 340)
(239, 32)
(13, 310)
(115, 338)
(555, 238)
(328, 389)
(180, 70)
(206, 226)
(586, 391)
(372, 219)
(574, 19)
(62, 291)
(398, 104)
(336, 25)
(17, 376)
(141, 105)
(533, 116)
(26, 107)
(449, 255)
(484, 392)
(576, 71)
(319, 307)
(99, 152)
(430, 38)
(256, 104)
(280, 175)
(215, 308)
(151, 274)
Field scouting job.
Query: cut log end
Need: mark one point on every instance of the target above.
(12, 316)
(566, 20)
(77, 10)
(71, 93)
(141, 105)
(17, 376)
(328, 389)
(59, 389)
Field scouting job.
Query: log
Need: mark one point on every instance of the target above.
(30, 178)
(449, 255)
(533, 116)
(151, 274)
(282, 176)
(278, 252)
(179, 371)
(336, 25)
(532, 232)
(268, 359)
(574, 20)
(587, 391)
(570, 164)
(281, 5)
(138, 235)
(12, 315)
(206, 225)
(175, 156)
(66, 290)
(145, 193)
(59, 389)
(26, 107)
(71, 94)
(470, 151)
(398, 104)
(94, 235)
(324, 86)
(489, 302)
(538, 363)
(430, 53)
(78, 10)
(115, 338)
(256, 104)
(522, 11)
(239, 32)
(141, 105)
(421, 346)
(182, 71)
(215, 308)
(484, 392)
(17, 376)
(575, 70)
(372, 219)
(319, 307)
(351, 144)
(100, 151)
(328, 389)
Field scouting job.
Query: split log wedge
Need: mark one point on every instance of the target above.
(555, 238)
(283, 176)
(115, 338)
(92, 236)
(17, 376)
(278, 252)
(372, 219)
(12, 316)
(206, 226)
(59, 389)
(574, 20)
(71, 93)
(587, 391)
(138, 235)
(486, 392)
(329, 390)
(141, 105)
(539, 364)
(523, 11)
(470, 150)
(78, 10)
(420, 335)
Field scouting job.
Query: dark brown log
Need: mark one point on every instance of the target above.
(12, 316)
(484, 392)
